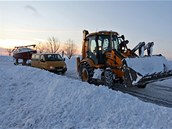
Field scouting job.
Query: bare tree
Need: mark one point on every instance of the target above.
(70, 48)
(9, 50)
(53, 45)
(41, 47)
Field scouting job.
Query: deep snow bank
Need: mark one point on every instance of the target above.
(35, 99)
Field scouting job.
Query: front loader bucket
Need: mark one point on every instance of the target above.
(141, 71)
(132, 78)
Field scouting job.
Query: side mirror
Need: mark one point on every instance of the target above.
(123, 37)
(42, 60)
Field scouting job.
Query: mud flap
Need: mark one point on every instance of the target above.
(129, 76)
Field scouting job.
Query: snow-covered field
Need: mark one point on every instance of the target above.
(31, 98)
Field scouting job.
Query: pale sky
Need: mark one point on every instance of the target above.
(23, 23)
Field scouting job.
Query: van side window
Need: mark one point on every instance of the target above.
(35, 57)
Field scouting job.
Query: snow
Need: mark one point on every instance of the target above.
(169, 66)
(20, 50)
(142, 51)
(97, 73)
(151, 50)
(32, 98)
(149, 65)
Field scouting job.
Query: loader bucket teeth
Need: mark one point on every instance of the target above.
(155, 77)
(129, 76)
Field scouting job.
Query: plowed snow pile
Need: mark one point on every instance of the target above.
(31, 98)
(149, 65)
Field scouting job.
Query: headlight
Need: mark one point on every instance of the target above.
(64, 66)
(52, 67)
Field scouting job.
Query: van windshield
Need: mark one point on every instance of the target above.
(53, 57)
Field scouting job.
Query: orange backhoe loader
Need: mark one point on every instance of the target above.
(105, 58)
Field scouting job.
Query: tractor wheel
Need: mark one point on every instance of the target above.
(108, 78)
(85, 73)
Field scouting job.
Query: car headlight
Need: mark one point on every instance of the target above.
(52, 67)
(65, 66)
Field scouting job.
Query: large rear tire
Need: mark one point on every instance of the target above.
(86, 73)
(109, 78)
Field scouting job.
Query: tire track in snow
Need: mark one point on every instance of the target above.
(147, 96)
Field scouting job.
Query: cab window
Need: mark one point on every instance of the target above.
(92, 44)
(104, 42)
(115, 43)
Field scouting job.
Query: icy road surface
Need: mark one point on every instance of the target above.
(31, 98)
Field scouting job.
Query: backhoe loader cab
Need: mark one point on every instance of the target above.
(99, 43)
(105, 58)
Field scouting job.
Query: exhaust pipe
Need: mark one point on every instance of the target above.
(85, 33)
